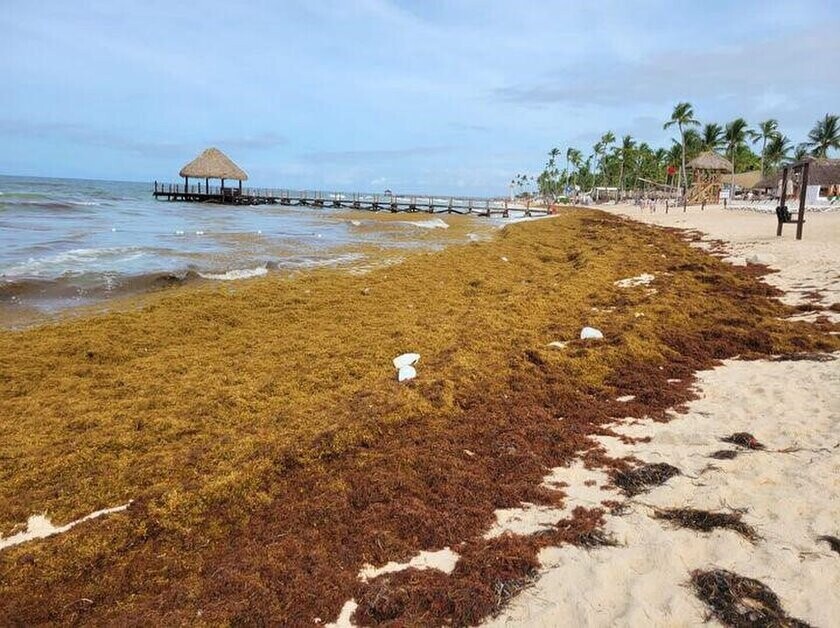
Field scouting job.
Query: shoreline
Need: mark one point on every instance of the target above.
(262, 435)
(31, 301)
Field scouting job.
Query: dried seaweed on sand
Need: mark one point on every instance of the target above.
(706, 521)
(743, 439)
(641, 479)
(741, 602)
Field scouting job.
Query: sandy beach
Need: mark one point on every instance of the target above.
(245, 453)
(787, 492)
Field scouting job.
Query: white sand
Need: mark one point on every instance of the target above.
(40, 527)
(443, 560)
(790, 493)
(790, 499)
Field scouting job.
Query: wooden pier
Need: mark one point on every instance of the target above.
(373, 202)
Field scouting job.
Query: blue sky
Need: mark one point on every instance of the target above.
(426, 96)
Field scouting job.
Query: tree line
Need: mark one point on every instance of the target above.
(620, 164)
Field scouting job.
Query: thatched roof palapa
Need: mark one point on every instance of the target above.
(213, 164)
(710, 160)
(822, 171)
(745, 180)
(770, 182)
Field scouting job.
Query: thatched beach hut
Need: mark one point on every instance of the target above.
(770, 184)
(213, 164)
(823, 180)
(707, 169)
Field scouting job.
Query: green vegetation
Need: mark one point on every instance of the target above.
(622, 165)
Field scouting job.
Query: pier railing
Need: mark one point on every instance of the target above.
(353, 200)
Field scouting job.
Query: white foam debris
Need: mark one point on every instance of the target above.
(625, 398)
(232, 275)
(443, 560)
(558, 344)
(406, 359)
(343, 620)
(40, 527)
(503, 258)
(590, 333)
(434, 223)
(199, 233)
(356, 223)
(406, 373)
(761, 258)
(179, 232)
(640, 280)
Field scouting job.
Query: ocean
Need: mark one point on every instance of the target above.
(71, 242)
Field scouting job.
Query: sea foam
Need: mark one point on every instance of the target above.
(232, 275)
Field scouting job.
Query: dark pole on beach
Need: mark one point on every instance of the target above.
(803, 189)
(783, 197)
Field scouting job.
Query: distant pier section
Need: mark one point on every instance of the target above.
(213, 164)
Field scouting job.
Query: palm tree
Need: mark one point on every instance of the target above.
(626, 150)
(683, 117)
(766, 130)
(548, 179)
(574, 157)
(824, 136)
(673, 158)
(607, 140)
(737, 132)
(661, 159)
(693, 144)
(800, 152)
(777, 151)
(712, 136)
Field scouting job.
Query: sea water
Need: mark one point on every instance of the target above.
(65, 242)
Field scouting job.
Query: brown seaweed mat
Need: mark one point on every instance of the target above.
(269, 451)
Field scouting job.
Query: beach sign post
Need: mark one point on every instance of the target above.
(782, 213)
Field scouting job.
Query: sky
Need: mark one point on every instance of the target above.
(425, 96)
